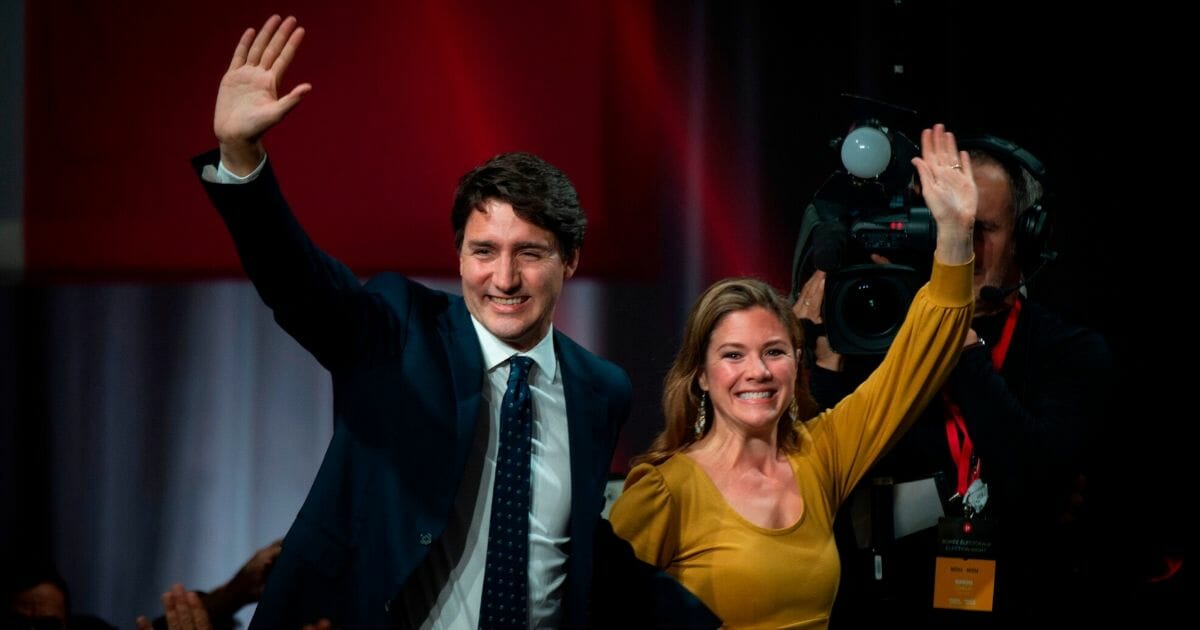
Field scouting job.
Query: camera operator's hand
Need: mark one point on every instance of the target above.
(808, 306)
(812, 294)
(948, 186)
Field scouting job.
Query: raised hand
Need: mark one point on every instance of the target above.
(948, 186)
(183, 611)
(248, 101)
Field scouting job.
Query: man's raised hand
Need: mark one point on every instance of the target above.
(248, 101)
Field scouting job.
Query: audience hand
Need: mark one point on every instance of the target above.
(246, 586)
(183, 609)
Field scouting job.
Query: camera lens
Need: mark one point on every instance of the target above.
(865, 305)
(872, 307)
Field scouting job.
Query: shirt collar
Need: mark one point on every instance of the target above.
(496, 352)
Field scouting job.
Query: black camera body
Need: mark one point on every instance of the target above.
(865, 305)
(902, 237)
(867, 207)
(870, 207)
(865, 302)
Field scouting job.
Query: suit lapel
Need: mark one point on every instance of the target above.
(586, 427)
(587, 430)
(466, 371)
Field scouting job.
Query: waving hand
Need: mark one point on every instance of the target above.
(248, 101)
(948, 186)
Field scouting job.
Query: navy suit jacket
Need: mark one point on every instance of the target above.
(407, 373)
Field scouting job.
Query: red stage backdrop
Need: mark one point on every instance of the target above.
(407, 96)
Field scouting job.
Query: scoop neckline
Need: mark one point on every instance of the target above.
(712, 486)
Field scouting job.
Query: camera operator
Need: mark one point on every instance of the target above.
(1003, 447)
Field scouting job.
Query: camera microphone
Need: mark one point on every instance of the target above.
(995, 295)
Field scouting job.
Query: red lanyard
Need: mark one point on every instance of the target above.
(962, 450)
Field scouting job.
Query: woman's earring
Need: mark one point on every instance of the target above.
(794, 410)
(702, 417)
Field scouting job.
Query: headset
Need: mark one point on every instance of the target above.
(1033, 223)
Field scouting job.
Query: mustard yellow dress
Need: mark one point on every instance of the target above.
(756, 577)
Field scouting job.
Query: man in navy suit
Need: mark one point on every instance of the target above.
(394, 532)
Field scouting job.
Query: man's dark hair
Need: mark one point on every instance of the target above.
(26, 572)
(538, 192)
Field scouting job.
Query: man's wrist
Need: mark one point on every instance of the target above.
(242, 158)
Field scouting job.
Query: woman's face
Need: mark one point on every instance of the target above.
(749, 371)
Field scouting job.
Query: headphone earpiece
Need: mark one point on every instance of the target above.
(1033, 223)
(1032, 235)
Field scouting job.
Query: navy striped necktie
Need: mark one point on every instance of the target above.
(506, 577)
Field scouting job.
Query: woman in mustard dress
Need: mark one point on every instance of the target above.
(737, 495)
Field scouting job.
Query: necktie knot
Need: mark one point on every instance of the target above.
(518, 370)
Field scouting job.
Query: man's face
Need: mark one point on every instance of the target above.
(512, 272)
(995, 247)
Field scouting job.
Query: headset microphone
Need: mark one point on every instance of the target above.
(995, 295)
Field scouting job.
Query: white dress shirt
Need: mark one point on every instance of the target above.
(449, 584)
